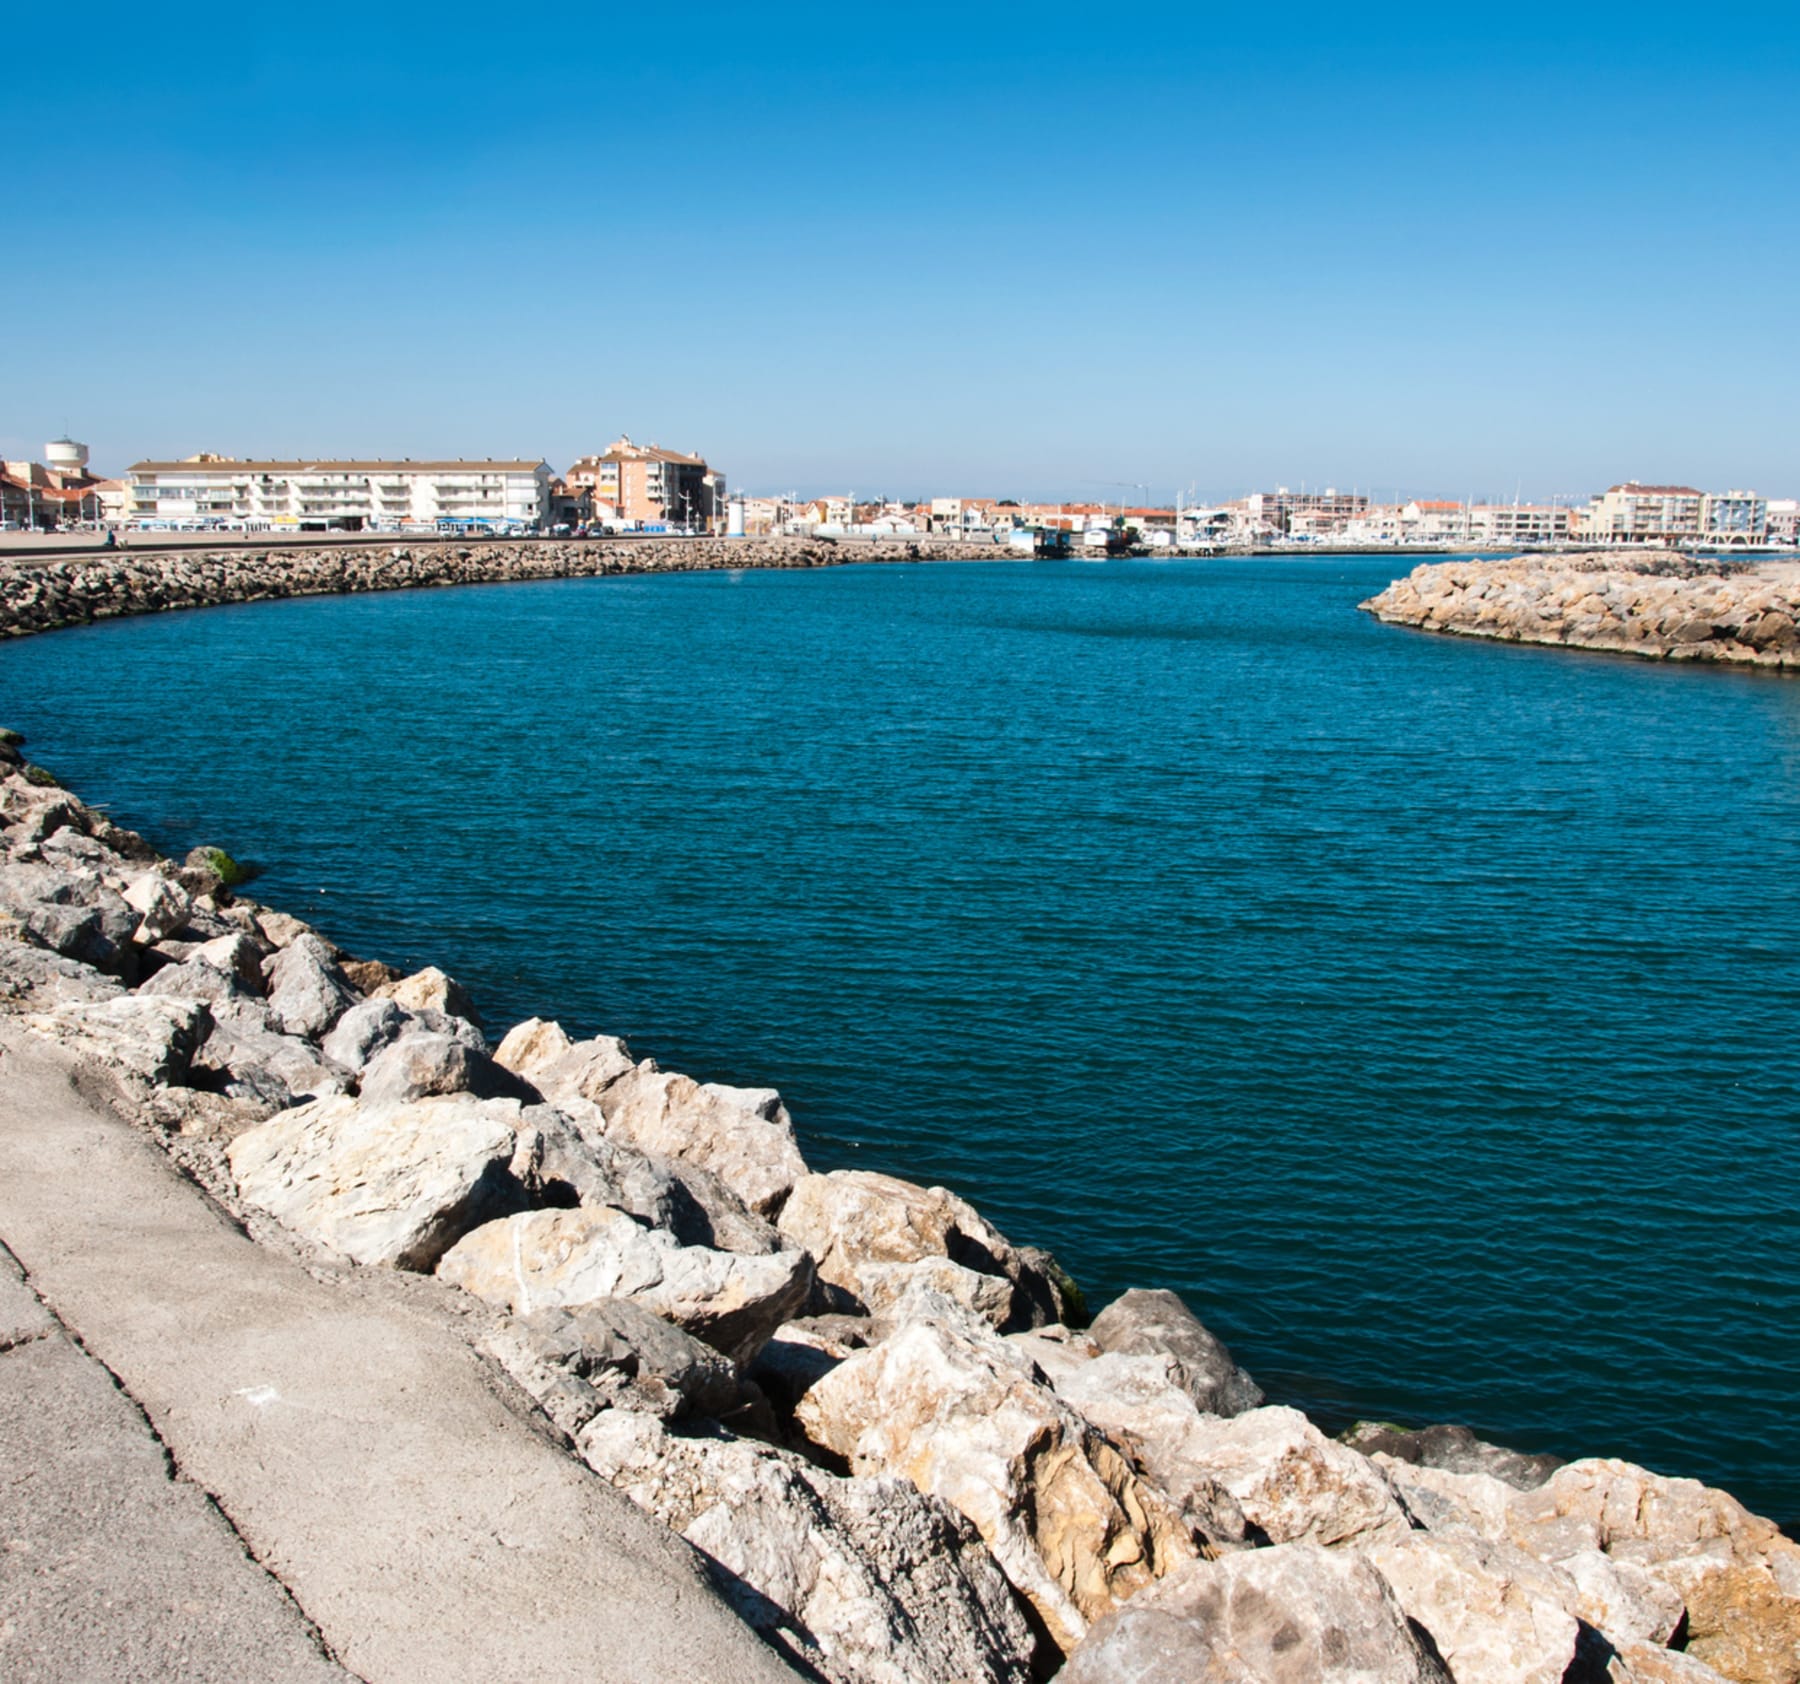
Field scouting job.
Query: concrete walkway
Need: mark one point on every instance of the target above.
(389, 1494)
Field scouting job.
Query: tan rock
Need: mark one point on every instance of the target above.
(890, 1585)
(875, 1235)
(429, 990)
(1737, 1574)
(1143, 1407)
(1497, 1615)
(1646, 1663)
(743, 1135)
(529, 1046)
(954, 1409)
(1293, 1614)
(545, 1259)
(1291, 1481)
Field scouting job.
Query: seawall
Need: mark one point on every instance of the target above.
(1648, 604)
(44, 594)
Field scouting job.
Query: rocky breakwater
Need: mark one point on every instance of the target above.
(1648, 604)
(44, 595)
(901, 1453)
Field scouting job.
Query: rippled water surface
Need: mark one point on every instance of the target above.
(1423, 1010)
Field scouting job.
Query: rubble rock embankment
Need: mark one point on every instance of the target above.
(880, 1424)
(1649, 604)
(44, 595)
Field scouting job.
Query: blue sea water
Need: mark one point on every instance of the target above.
(1423, 1010)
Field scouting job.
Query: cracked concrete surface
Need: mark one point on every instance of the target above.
(364, 1455)
(110, 1568)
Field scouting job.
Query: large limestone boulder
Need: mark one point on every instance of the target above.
(743, 1135)
(1292, 1483)
(949, 1405)
(394, 1183)
(307, 991)
(532, 1047)
(1737, 1574)
(868, 1581)
(1437, 1498)
(145, 1036)
(1496, 1615)
(1056, 1350)
(1142, 1407)
(547, 1259)
(615, 1354)
(1156, 1323)
(875, 1235)
(1294, 1614)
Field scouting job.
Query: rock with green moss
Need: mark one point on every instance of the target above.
(230, 873)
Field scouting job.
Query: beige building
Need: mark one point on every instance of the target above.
(645, 485)
(1502, 524)
(1633, 513)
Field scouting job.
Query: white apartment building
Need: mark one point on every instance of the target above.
(204, 491)
(1734, 517)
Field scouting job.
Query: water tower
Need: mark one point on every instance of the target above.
(65, 456)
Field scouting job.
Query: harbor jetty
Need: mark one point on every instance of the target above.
(42, 594)
(343, 1335)
(1649, 603)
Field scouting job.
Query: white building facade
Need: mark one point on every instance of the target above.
(215, 491)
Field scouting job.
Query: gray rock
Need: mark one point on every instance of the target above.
(151, 1039)
(308, 993)
(247, 1057)
(560, 1166)
(1294, 1614)
(197, 979)
(33, 978)
(395, 1183)
(363, 1031)
(1154, 1323)
(615, 1354)
(420, 1063)
(1455, 1450)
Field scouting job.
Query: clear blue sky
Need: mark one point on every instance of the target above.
(1000, 249)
